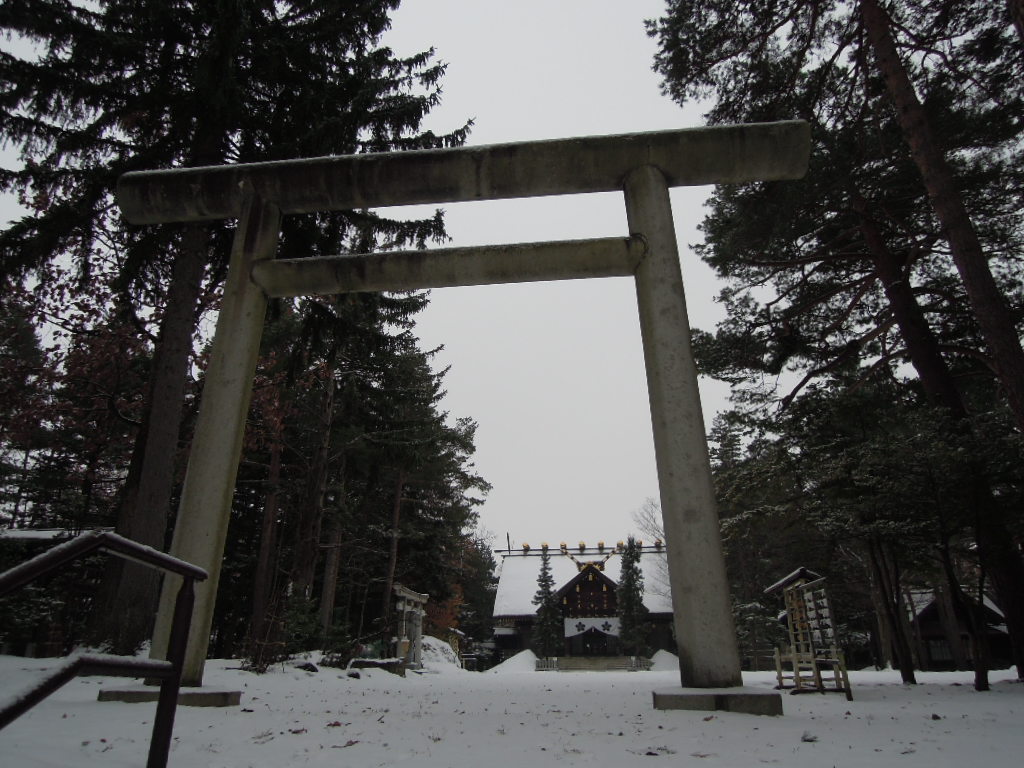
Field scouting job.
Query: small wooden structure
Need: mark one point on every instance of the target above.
(812, 648)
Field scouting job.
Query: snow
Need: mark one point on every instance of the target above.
(785, 581)
(663, 661)
(524, 661)
(509, 715)
(517, 582)
(35, 534)
(438, 656)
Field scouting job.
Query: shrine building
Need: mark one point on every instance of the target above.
(585, 581)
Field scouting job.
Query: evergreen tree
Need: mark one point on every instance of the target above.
(476, 576)
(854, 251)
(910, 215)
(547, 630)
(332, 506)
(872, 491)
(629, 598)
(127, 84)
(933, 88)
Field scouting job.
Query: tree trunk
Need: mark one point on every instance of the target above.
(131, 590)
(906, 632)
(1002, 563)
(332, 565)
(17, 518)
(979, 642)
(922, 347)
(976, 629)
(950, 626)
(1001, 560)
(995, 542)
(145, 506)
(888, 590)
(307, 532)
(263, 579)
(883, 638)
(915, 630)
(989, 305)
(389, 575)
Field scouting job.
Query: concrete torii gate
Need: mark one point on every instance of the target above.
(642, 165)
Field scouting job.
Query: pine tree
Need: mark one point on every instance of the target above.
(910, 213)
(547, 630)
(629, 598)
(855, 250)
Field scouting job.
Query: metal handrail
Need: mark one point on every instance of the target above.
(168, 671)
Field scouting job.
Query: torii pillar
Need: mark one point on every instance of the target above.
(643, 166)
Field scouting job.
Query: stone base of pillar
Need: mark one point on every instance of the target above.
(202, 696)
(747, 701)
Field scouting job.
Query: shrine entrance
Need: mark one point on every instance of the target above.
(592, 641)
(642, 166)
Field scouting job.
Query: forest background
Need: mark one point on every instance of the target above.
(872, 338)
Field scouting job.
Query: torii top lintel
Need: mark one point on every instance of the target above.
(686, 157)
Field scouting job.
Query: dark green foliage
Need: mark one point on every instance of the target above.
(844, 478)
(302, 628)
(548, 632)
(477, 567)
(893, 266)
(94, 90)
(48, 616)
(811, 266)
(385, 419)
(126, 85)
(23, 369)
(116, 86)
(338, 647)
(629, 597)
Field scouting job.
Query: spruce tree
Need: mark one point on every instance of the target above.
(121, 85)
(548, 630)
(339, 463)
(629, 598)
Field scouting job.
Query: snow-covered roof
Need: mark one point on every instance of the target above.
(35, 534)
(518, 572)
(800, 573)
(920, 599)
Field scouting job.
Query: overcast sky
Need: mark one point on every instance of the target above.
(553, 372)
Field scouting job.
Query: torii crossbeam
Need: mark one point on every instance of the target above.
(643, 166)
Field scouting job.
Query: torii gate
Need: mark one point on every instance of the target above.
(642, 165)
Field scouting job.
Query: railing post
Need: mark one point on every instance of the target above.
(170, 671)
(163, 723)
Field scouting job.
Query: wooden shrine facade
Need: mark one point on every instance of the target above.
(586, 579)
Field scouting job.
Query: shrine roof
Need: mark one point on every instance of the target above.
(800, 573)
(519, 570)
(37, 534)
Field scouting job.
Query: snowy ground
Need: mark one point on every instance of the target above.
(512, 717)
